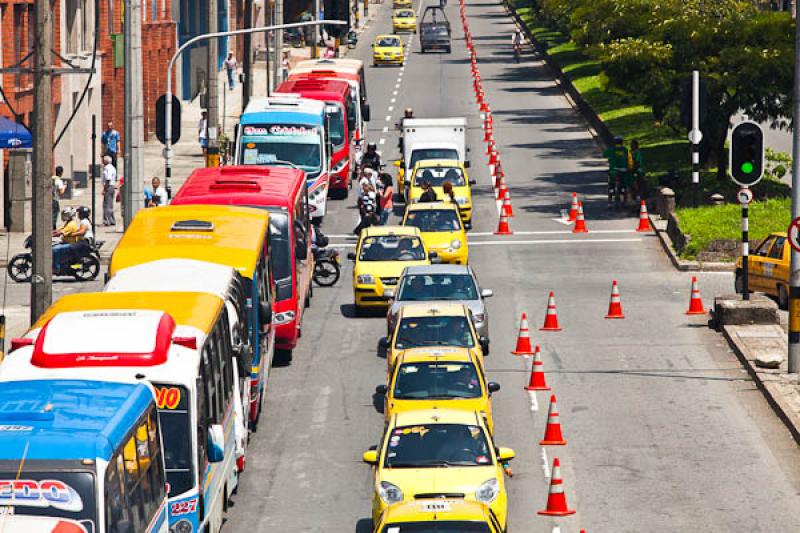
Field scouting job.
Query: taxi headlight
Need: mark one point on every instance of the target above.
(365, 279)
(488, 491)
(283, 318)
(389, 493)
(461, 201)
(456, 244)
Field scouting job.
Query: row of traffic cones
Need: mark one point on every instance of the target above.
(576, 216)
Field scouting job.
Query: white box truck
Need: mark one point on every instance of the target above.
(431, 138)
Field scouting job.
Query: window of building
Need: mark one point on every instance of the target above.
(71, 26)
(87, 26)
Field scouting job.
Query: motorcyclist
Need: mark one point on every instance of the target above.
(371, 158)
(408, 113)
(68, 233)
(85, 234)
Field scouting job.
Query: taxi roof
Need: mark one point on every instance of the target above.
(424, 163)
(383, 35)
(404, 10)
(439, 353)
(436, 416)
(412, 310)
(430, 206)
(193, 309)
(227, 235)
(422, 511)
(402, 231)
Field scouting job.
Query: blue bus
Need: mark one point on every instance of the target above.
(286, 130)
(80, 456)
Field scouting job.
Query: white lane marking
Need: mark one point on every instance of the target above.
(394, 93)
(391, 108)
(382, 141)
(551, 232)
(545, 464)
(385, 129)
(320, 412)
(397, 85)
(393, 100)
(554, 241)
(534, 402)
(556, 529)
(388, 118)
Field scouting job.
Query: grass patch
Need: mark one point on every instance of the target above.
(710, 223)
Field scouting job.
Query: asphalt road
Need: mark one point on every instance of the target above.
(666, 432)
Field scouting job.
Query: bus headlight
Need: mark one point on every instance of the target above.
(181, 526)
(389, 493)
(488, 491)
(365, 279)
(283, 318)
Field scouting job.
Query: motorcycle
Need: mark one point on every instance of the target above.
(86, 267)
(326, 267)
(352, 39)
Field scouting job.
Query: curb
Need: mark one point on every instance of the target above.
(683, 265)
(775, 400)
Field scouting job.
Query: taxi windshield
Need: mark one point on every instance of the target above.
(405, 14)
(434, 220)
(436, 445)
(426, 287)
(434, 331)
(436, 176)
(451, 526)
(388, 42)
(392, 248)
(437, 381)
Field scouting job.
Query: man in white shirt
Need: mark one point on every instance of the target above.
(202, 128)
(230, 69)
(158, 194)
(109, 191)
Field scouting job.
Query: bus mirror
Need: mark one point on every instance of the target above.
(216, 443)
(466, 164)
(266, 313)
(244, 358)
(366, 113)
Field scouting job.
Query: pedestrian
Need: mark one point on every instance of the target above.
(156, 195)
(636, 168)
(428, 194)
(109, 191)
(230, 69)
(59, 188)
(202, 131)
(386, 201)
(110, 139)
(367, 207)
(285, 66)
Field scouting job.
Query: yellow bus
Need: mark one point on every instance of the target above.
(236, 237)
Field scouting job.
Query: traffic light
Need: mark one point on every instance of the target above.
(337, 10)
(746, 153)
(161, 123)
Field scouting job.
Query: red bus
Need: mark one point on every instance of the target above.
(284, 193)
(341, 124)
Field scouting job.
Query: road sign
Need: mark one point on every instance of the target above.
(745, 196)
(794, 234)
(746, 153)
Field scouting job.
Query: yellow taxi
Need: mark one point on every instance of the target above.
(381, 255)
(768, 267)
(441, 228)
(398, 4)
(438, 515)
(434, 325)
(404, 20)
(426, 454)
(438, 378)
(388, 50)
(437, 172)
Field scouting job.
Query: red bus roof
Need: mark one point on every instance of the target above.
(246, 185)
(316, 88)
(324, 74)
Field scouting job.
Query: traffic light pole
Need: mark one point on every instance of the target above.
(168, 152)
(745, 251)
(794, 269)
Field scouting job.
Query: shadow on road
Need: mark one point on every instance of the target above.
(364, 525)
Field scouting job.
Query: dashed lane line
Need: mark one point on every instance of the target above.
(382, 141)
(513, 242)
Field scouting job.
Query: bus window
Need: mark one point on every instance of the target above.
(116, 509)
(175, 426)
(202, 423)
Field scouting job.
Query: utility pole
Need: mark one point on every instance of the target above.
(794, 270)
(212, 87)
(278, 40)
(247, 60)
(133, 145)
(42, 281)
(317, 32)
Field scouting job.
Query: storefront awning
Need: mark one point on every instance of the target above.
(14, 135)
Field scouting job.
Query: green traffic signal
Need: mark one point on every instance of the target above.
(747, 167)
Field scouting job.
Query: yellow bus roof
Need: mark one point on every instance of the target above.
(225, 235)
(194, 309)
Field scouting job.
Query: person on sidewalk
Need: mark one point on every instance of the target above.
(110, 139)
(202, 131)
(285, 66)
(59, 187)
(230, 69)
(109, 191)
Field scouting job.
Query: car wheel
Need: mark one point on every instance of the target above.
(783, 297)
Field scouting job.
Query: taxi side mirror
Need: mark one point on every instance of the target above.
(434, 257)
(466, 163)
(381, 390)
(351, 256)
(484, 342)
(505, 454)
(493, 387)
(371, 457)
(473, 181)
(487, 293)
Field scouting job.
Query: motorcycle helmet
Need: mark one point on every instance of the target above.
(409, 113)
(372, 147)
(83, 212)
(67, 214)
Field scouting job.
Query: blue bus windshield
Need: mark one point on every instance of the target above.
(271, 144)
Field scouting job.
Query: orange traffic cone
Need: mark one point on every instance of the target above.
(615, 304)
(484, 104)
(502, 226)
(499, 182)
(500, 170)
(488, 134)
(551, 318)
(506, 207)
(537, 380)
(573, 208)
(523, 338)
(695, 302)
(580, 222)
(552, 433)
(644, 220)
(556, 500)
(501, 190)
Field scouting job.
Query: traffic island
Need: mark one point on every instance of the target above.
(732, 310)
